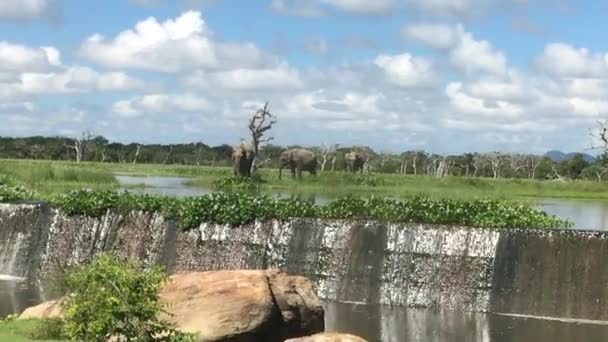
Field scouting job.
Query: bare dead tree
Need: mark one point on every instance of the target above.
(532, 164)
(168, 155)
(557, 175)
(328, 152)
(496, 161)
(139, 146)
(517, 162)
(261, 122)
(600, 136)
(79, 145)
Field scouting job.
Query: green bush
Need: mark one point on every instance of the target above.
(111, 298)
(238, 208)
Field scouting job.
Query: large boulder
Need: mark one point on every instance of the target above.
(46, 310)
(233, 306)
(329, 337)
(301, 309)
(223, 305)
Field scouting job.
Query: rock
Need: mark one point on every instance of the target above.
(300, 308)
(329, 337)
(233, 306)
(46, 310)
(223, 305)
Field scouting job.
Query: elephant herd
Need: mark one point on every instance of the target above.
(297, 160)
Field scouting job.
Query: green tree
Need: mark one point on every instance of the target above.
(574, 166)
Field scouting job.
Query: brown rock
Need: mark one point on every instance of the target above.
(233, 306)
(223, 305)
(46, 310)
(301, 309)
(329, 337)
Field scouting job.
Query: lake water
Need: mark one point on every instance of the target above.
(588, 215)
(383, 324)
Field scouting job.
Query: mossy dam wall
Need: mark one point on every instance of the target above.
(551, 273)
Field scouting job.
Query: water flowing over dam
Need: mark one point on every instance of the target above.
(553, 273)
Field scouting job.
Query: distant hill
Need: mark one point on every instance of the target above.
(559, 156)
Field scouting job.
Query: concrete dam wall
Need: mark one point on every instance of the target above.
(557, 273)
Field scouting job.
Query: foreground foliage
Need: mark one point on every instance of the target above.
(14, 330)
(238, 208)
(111, 298)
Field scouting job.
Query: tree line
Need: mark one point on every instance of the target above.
(331, 158)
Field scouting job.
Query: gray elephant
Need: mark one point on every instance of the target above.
(242, 159)
(298, 160)
(355, 161)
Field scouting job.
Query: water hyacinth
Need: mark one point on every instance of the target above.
(239, 208)
(15, 193)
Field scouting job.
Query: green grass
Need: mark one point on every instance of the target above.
(50, 177)
(21, 331)
(332, 185)
(46, 177)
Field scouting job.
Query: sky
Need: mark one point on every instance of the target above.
(446, 76)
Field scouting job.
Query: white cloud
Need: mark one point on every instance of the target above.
(458, 8)
(161, 104)
(464, 51)
(317, 8)
(470, 105)
(438, 36)
(281, 78)
(406, 70)
(563, 60)
(182, 44)
(19, 58)
(374, 7)
(298, 8)
(25, 9)
(77, 79)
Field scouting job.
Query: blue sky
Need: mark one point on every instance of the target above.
(440, 75)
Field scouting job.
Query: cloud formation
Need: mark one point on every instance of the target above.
(175, 45)
(28, 10)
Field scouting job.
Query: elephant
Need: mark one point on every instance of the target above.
(298, 160)
(242, 159)
(355, 161)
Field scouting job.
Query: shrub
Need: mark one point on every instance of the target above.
(48, 329)
(111, 298)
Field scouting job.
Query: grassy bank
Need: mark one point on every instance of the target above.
(50, 177)
(23, 331)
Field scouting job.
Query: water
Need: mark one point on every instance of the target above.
(17, 295)
(383, 324)
(590, 215)
(159, 185)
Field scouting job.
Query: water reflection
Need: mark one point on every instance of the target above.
(17, 296)
(383, 324)
(592, 215)
(159, 185)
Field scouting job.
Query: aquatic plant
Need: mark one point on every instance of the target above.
(15, 193)
(239, 208)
